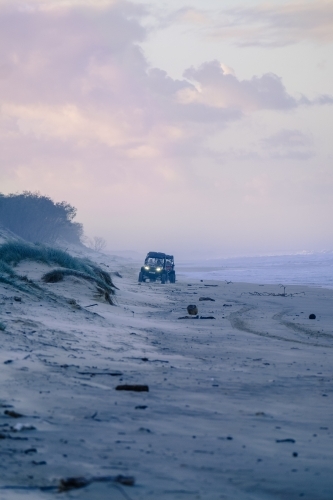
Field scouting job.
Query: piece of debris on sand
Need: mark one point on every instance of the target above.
(72, 483)
(192, 309)
(133, 387)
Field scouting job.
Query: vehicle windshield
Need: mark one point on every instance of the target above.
(154, 262)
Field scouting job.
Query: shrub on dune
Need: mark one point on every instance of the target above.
(103, 287)
(54, 276)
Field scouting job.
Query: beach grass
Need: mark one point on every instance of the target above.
(12, 253)
(6, 269)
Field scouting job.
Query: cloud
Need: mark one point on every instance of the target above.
(265, 24)
(75, 74)
(277, 25)
(222, 89)
(287, 138)
(185, 15)
(34, 5)
(292, 144)
(81, 107)
(218, 87)
(78, 76)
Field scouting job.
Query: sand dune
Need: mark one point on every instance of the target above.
(239, 407)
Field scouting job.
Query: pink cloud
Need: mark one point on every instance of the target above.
(76, 85)
(76, 77)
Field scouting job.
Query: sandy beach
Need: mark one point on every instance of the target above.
(239, 407)
(188, 143)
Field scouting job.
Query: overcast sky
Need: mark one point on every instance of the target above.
(202, 128)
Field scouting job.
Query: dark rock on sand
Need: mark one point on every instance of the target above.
(192, 309)
(312, 316)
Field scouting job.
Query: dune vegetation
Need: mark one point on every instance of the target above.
(12, 253)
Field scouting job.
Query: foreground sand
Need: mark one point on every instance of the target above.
(239, 407)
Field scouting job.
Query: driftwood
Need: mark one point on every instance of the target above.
(133, 387)
(72, 483)
(13, 414)
(196, 317)
(92, 374)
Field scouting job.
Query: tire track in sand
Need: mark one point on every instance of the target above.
(239, 324)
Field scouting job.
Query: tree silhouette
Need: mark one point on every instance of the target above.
(38, 219)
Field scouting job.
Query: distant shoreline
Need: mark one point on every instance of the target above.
(303, 270)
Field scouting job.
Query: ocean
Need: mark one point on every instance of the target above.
(313, 269)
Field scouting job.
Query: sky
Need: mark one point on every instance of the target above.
(199, 128)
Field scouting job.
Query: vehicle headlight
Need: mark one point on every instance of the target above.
(158, 269)
(147, 268)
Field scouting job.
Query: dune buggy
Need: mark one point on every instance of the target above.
(158, 267)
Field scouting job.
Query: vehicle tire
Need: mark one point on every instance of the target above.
(140, 279)
(164, 278)
(173, 277)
